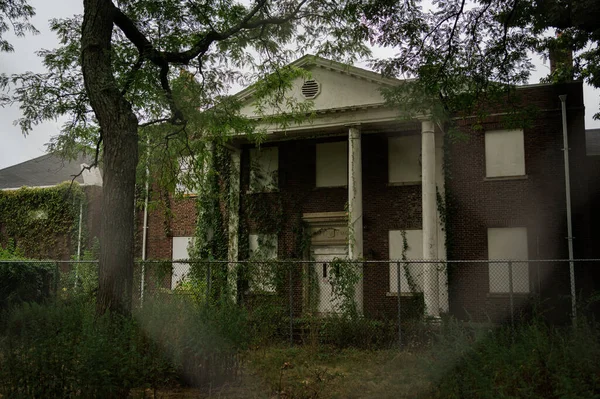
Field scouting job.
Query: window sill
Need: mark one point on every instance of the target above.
(502, 178)
(262, 192)
(326, 187)
(504, 295)
(404, 294)
(405, 183)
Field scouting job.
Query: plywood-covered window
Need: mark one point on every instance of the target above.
(185, 178)
(508, 244)
(504, 153)
(406, 244)
(332, 164)
(264, 169)
(404, 159)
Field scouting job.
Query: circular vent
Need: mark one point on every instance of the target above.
(311, 89)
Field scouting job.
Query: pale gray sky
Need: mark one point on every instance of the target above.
(15, 148)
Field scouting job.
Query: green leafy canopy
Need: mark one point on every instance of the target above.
(185, 100)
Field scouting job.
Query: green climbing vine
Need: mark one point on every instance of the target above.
(211, 230)
(41, 222)
(410, 280)
(344, 278)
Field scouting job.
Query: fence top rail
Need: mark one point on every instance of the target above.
(280, 261)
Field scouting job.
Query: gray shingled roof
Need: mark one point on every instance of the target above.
(592, 142)
(47, 170)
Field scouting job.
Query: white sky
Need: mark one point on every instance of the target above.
(15, 148)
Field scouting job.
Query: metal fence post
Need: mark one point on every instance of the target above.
(291, 289)
(510, 293)
(398, 277)
(208, 282)
(56, 277)
(142, 283)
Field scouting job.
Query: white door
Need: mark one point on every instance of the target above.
(323, 256)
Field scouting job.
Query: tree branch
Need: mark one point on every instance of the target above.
(201, 45)
(131, 75)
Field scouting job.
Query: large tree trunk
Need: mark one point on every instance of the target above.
(118, 125)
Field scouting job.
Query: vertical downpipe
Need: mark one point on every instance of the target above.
(399, 279)
(511, 294)
(79, 242)
(145, 228)
(563, 101)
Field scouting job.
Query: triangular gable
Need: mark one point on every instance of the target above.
(341, 86)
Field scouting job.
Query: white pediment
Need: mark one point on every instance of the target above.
(340, 87)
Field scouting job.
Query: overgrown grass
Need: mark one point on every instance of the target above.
(62, 350)
(535, 360)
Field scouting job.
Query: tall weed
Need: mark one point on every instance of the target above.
(534, 360)
(63, 350)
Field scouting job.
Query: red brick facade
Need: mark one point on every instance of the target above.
(475, 204)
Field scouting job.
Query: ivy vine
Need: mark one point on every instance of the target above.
(412, 284)
(41, 221)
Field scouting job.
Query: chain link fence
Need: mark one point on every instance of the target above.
(341, 302)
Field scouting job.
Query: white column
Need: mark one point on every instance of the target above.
(441, 229)
(234, 221)
(429, 213)
(355, 208)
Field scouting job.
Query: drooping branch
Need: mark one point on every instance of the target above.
(451, 38)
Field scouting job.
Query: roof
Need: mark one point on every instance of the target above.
(47, 170)
(592, 142)
(309, 60)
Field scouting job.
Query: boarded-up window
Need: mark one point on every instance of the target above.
(406, 244)
(404, 159)
(180, 252)
(509, 243)
(504, 153)
(262, 273)
(332, 164)
(185, 178)
(264, 168)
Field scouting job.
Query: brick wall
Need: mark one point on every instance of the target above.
(164, 224)
(537, 203)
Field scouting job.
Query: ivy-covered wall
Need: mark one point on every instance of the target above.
(43, 223)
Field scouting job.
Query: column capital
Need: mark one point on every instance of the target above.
(427, 126)
(354, 132)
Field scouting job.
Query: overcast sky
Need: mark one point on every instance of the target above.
(15, 148)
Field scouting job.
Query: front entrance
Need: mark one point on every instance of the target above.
(323, 256)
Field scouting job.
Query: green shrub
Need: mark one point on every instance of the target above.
(82, 278)
(533, 361)
(23, 281)
(347, 332)
(63, 350)
(202, 341)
